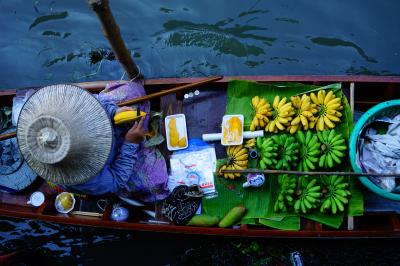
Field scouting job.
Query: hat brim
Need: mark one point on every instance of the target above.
(89, 124)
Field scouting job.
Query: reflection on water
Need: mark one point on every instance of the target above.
(59, 240)
(289, 20)
(45, 18)
(338, 42)
(55, 40)
(224, 39)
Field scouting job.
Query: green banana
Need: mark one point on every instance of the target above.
(309, 197)
(285, 196)
(332, 145)
(309, 150)
(267, 150)
(287, 151)
(336, 196)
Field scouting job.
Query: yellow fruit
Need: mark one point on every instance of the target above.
(237, 160)
(65, 200)
(304, 113)
(329, 107)
(282, 113)
(173, 133)
(182, 142)
(233, 130)
(262, 110)
(127, 116)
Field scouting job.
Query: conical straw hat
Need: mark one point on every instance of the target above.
(64, 134)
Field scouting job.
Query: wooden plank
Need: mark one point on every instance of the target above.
(169, 105)
(395, 223)
(296, 78)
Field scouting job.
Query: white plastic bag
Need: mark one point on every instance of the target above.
(195, 166)
(18, 103)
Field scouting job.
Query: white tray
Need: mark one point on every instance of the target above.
(181, 127)
(224, 121)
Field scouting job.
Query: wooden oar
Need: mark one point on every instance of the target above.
(169, 91)
(145, 98)
(257, 171)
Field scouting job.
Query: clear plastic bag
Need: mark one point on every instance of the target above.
(194, 166)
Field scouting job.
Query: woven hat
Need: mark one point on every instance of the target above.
(64, 134)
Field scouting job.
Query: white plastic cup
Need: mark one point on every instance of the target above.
(36, 199)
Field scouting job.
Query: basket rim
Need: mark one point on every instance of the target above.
(353, 151)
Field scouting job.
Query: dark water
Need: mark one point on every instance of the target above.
(47, 41)
(44, 42)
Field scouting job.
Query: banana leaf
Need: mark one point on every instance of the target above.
(260, 201)
(287, 223)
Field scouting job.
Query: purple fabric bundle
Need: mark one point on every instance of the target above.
(150, 183)
(119, 92)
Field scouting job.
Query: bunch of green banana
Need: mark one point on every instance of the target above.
(332, 147)
(309, 150)
(304, 111)
(287, 152)
(282, 113)
(285, 197)
(237, 160)
(337, 194)
(261, 110)
(267, 149)
(309, 197)
(329, 107)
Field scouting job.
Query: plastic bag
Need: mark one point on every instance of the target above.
(380, 153)
(18, 102)
(194, 166)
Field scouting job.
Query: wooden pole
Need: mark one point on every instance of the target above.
(144, 98)
(256, 171)
(112, 33)
(8, 136)
(173, 90)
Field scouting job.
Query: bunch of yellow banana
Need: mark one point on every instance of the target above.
(329, 107)
(304, 111)
(237, 160)
(250, 143)
(282, 113)
(262, 110)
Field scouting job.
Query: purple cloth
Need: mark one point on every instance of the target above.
(150, 181)
(119, 92)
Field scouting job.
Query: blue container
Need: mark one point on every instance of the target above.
(390, 108)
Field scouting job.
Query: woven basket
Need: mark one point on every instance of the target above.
(389, 109)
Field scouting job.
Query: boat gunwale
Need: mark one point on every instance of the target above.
(95, 85)
(243, 231)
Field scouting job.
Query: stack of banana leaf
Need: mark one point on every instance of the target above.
(263, 203)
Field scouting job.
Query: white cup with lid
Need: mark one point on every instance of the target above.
(36, 199)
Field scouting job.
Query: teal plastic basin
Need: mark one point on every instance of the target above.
(390, 108)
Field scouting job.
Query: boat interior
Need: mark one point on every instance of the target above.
(363, 92)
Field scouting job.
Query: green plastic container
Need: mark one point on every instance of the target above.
(390, 108)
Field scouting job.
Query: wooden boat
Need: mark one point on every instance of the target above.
(365, 91)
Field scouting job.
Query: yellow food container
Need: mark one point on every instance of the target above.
(176, 132)
(232, 130)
